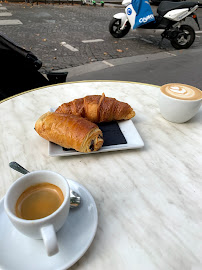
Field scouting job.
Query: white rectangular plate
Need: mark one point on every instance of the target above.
(127, 128)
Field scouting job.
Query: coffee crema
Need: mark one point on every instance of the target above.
(39, 201)
(181, 91)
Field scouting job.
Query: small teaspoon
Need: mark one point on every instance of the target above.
(75, 199)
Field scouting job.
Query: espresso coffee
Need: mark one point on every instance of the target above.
(39, 201)
(181, 91)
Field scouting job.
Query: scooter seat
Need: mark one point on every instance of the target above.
(166, 6)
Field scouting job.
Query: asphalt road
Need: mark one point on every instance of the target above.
(66, 36)
(76, 39)
(161, 68)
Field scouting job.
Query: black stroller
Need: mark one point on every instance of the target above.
(19, 70)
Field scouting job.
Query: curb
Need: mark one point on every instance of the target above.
(74, 72)
(100, 65)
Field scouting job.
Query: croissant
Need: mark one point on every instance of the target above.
(70, 131)
(98, 108)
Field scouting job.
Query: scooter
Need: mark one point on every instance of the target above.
(168, 21)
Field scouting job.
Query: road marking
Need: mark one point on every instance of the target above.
(198, 32)
(92, 40)
(10, 22)
(5, 14)
(198, 36)
(129, 38)
(171, 53)
(69, 47)
(3, 8)
(107, 63)
(146, 40)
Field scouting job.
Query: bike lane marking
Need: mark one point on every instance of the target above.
(92, 40)
(107, 63)
(10, 22)
(146, 40)
(5, 14)
(71, 48)
(171, 53)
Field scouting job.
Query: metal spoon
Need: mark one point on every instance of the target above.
(75, 199)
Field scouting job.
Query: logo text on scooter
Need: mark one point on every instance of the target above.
(129, 11)
(145, 19)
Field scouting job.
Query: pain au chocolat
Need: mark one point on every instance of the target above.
(98, 108)
(70, 131)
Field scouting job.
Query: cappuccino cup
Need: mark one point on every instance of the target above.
(178, 102)
(38, 205)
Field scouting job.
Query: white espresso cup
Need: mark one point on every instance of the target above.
(42, 228)
(178, 103)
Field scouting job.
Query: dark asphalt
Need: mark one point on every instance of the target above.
(44, 27)
(133, 58)
(183, 67)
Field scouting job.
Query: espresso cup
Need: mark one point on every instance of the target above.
(178, 103)
(42, 228)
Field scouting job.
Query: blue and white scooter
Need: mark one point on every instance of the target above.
(168, 21)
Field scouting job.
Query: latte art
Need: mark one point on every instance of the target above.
(178, 90)
(181, 91)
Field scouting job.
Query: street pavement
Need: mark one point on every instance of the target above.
(158, 69)
(47, 30)
(65, 36)
(76, 39)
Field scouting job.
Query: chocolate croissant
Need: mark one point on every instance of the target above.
(70, 131)
(97, 108)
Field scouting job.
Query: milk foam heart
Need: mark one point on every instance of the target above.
(178, 90)
(181, 91)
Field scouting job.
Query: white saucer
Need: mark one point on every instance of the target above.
(20, 252)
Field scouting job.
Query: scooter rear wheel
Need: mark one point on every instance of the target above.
(114, 28)
(184, 39)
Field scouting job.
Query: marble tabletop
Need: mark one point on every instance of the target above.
(149, 200)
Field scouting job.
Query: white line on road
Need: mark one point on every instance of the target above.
(3, 8)
(129, 38)
(198, 32)
(171, 53)
(5, 14)
(107, 63)
(92, 40)
(69, 47)
(146, 40)
(10, 22)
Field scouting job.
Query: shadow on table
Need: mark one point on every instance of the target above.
(19, 70)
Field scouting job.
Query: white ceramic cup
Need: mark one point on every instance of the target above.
(43, 228)
(178, 110)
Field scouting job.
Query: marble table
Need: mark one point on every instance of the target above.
(149, 200)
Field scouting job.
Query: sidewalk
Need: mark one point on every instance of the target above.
(154, 69)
